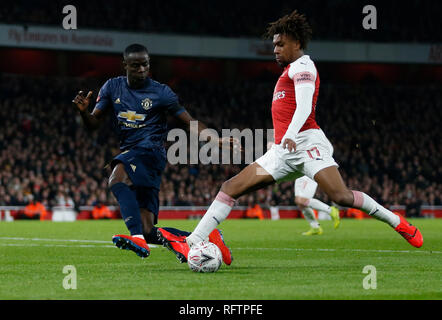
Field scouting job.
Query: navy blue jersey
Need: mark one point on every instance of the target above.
(141, 114)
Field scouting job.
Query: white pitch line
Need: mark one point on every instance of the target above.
(54, 245)
(343, 249)
(56, 240)
(61, 240)
(155, 246)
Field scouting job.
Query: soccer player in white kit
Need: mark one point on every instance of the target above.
(305, 189)
(301, 147)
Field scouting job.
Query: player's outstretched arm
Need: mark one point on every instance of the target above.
(92, 120)
(231, 142)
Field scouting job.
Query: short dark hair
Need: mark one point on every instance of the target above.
(135, 47)
(294, 25)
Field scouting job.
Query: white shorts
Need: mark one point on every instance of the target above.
(305, 187)
(313, 153)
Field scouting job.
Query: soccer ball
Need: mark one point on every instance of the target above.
(204, 256)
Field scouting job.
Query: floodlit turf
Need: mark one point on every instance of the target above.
(272, 260)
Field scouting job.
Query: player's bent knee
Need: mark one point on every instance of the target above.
(113, 180)
(118, 175)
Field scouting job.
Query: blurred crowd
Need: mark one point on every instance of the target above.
(387, 141)
(44, 152)
(397, 20)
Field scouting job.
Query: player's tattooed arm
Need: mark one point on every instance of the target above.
(92, 120)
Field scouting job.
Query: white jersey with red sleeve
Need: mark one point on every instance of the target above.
(299, 74)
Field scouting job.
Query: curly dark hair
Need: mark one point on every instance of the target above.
(294, 25)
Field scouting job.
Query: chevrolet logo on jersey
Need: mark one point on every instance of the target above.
(131, 116)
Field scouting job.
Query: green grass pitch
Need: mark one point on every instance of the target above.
(272, 261)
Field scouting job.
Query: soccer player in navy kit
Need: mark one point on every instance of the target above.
(140, 106)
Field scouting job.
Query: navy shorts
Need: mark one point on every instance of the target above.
(144, 168)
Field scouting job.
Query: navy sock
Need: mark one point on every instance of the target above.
(152, 236)
(177, 232)
(128, 207)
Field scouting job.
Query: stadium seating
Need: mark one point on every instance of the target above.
(45, 151)
(331, 20)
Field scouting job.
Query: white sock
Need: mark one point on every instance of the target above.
(374, 209)
(217, 213)
(319, 205)
(309, 215)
